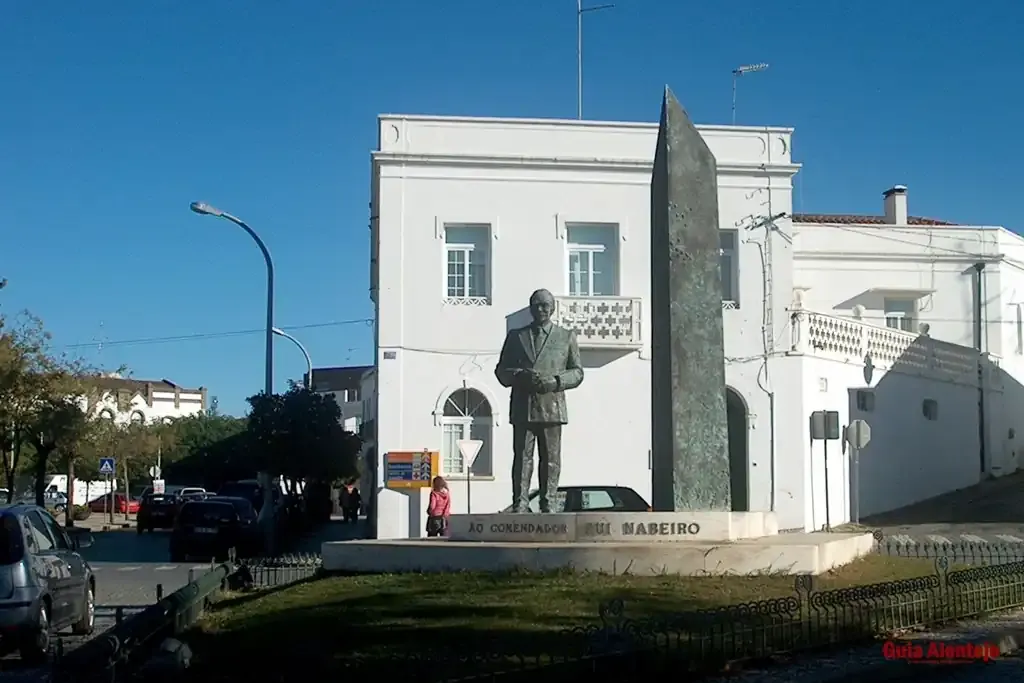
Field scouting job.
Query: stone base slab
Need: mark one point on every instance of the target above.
(612, 527)
(813, 553)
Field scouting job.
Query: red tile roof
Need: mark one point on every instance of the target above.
(850, 219)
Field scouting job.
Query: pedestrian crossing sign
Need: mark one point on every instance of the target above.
(106, 465)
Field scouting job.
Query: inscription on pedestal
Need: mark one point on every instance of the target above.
(612, 527)
(637, 529)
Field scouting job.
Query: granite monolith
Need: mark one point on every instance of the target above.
(689, 436)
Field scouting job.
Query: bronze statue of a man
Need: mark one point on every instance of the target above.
(539, 362)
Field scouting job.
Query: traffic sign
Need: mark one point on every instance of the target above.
(858, 434)
(159, 487)
(107, 466)
(470, 448)
(154, 472)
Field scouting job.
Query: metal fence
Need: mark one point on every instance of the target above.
(273, 572)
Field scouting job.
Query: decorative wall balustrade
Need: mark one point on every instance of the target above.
(852, 341)
(601, 322)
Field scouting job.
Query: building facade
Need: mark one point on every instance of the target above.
(469, 216)
(344, 384)
(126, 400)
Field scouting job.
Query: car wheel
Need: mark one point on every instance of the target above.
(35, 644)
(87, 623)
(139, 529)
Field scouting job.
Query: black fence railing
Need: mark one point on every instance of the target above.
(699, 642)
(272, 572)
(969, 580)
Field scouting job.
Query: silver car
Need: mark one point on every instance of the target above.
(45, 584)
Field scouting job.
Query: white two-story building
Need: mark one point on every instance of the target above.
(469, 216)
(142, 401)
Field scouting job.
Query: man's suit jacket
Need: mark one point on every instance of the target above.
(558, 356)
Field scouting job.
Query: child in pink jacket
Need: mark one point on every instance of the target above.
(439, 509)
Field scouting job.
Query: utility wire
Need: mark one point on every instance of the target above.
(215, 335)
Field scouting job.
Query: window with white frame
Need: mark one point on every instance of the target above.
(467, 415)
(729, 265)
(900, 313)
(593, 259)
(467, 263)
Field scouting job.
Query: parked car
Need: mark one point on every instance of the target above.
(249, 489)
(209, 529)
(192, 493)
(121, 504)
(157, 511)
(594, 499)
(250, 535)
(45, 584)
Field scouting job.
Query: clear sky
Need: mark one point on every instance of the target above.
(115, 115)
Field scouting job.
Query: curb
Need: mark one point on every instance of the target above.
(1009, 640)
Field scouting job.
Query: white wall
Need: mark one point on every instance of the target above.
(527, 180)
(910, 457)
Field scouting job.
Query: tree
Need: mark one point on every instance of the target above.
(205, 449)
(298, 436)
(37, 392)
(60, 424)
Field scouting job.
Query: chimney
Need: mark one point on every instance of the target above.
(896, 205)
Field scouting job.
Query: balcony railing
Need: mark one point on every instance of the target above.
(852, 341)
(601, 322)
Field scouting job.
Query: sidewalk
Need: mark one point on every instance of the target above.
(98, 522)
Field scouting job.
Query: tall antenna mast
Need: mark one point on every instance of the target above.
(736, 73)
(580, 11)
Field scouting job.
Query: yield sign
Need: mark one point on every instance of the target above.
(469, 448)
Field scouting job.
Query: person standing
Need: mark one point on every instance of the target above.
(439, 509)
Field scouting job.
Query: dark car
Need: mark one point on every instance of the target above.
(595, 499)
(211, 529)
(45, 585)
(249, 489)
(157, 511)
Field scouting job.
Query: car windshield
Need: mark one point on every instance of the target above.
(158, 499)
(238, 490)
(243, 507)
(212, 513)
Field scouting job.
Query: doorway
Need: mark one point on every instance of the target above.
(739, 462)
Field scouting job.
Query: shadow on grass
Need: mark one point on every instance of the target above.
(440, 627)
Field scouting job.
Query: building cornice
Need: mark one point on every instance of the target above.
(904, 257)
(574, 123)
(565, 163)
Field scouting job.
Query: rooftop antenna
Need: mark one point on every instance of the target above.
(580, 11)
(99, 339)
(736, 73)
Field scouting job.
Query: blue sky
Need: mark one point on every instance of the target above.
(115, 115)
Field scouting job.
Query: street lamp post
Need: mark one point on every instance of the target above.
(736, 73)
(309, 363)
(266, 517)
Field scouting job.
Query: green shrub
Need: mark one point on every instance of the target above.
(80, 513)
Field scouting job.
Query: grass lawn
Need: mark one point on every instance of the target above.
(332, 622)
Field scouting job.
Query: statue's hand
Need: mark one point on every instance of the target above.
(526, 379)
(546, 384)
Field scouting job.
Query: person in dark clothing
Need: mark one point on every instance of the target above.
(350, 501)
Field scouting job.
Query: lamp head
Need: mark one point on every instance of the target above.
(205, 209)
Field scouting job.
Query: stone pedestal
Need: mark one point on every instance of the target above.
(694, 543)
(613, 527)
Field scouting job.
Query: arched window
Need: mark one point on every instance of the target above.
(106, 414)
(138, 418)
(467, 415)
